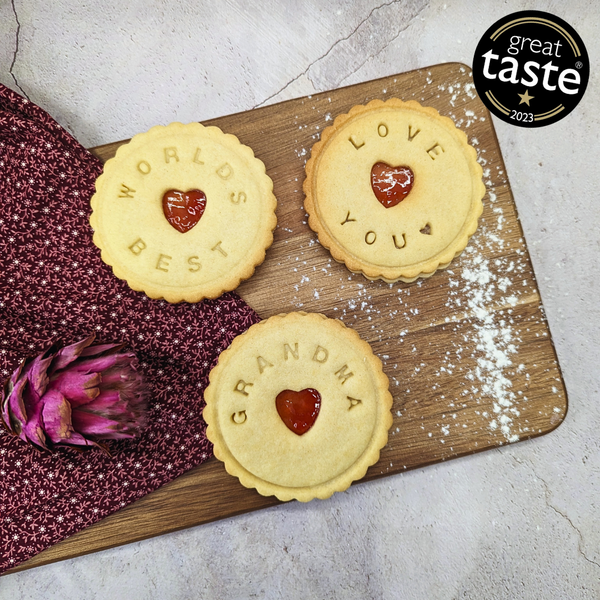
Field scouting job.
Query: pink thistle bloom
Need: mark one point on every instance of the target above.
(75, 396)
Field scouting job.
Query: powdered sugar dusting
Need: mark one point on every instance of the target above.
(455, 341)
(495, 342)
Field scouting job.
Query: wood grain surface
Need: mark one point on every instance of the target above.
(468, 351)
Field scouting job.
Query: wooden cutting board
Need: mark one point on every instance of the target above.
(468, 352)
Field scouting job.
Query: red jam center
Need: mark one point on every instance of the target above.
(298, 410)
(391, 184)
(183, 209)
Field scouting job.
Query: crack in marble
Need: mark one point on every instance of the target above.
(322, 57)
(387, 44)
(547, 494)
(14, 60)
(287, 85)
(579, 534)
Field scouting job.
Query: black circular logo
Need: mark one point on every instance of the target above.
(531, 69)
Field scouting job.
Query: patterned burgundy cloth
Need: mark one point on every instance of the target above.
(54, 286)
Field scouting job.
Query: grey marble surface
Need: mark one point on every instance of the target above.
(519, 522)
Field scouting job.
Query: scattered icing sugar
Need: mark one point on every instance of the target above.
(481, 289)
(483, 286)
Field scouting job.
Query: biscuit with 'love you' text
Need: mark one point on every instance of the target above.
(393, 190)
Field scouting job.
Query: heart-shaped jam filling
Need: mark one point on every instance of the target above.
(184, 209)
(298, 410)
(391, 184)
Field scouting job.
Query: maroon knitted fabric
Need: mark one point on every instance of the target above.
(54, 287)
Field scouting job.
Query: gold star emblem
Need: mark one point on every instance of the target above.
(525, 97)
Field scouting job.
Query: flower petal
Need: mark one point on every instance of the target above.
(114, 406)
(17, 373)
(78, 388)
(58, 425)
(56, 415)
(33, 429)
(100, 363)
(14, 405)
(107, 402)
(100, 349)
(65, 356)
(36, 372)
(99, 426)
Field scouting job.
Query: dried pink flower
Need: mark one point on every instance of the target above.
(75, 396)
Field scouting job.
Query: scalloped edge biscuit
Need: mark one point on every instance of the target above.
(428, 265)
(215, 396)
(231, 277)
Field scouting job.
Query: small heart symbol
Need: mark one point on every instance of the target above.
(391, 184)
(184, 209)
(298, 410)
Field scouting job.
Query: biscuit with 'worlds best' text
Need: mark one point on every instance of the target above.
(183, 212)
